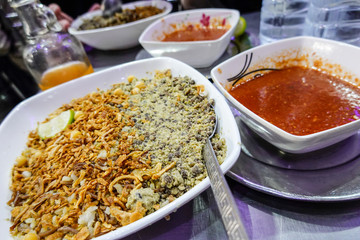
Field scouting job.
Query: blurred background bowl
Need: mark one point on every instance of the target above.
(120, 36)
(332, 57)
(195, 53)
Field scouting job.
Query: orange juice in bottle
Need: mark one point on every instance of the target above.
(51, 55)
(64, 73)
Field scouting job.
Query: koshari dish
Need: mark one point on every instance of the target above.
(119, 18)
(300, 101)
(125, 153)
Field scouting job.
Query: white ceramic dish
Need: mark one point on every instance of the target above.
(24, 117)
(195, 53)
(117, 37)
(333, 57)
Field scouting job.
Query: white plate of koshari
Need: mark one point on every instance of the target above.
(15, 129)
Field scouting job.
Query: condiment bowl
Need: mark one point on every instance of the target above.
(120, 36)
(335, 58)
(195, 53)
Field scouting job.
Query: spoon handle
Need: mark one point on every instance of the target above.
(223, 196)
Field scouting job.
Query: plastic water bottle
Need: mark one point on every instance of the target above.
(334, 19)
(282, 19)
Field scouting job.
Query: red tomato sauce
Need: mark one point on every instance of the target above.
(300, 101)
(191, 33)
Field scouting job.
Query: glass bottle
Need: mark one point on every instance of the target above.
(12, 43)
(52, 56)
(334, 19)
(282, 19)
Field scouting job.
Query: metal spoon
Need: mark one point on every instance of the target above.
(110, 7)
(223, 196)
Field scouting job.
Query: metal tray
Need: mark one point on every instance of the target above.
(328, 175)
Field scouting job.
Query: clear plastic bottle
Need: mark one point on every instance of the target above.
(52, 57)
(334, 19)
(282, 19)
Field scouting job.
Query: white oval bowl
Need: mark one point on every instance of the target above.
(195, 53)
(23, 118)
(335, 53)
(120, 36)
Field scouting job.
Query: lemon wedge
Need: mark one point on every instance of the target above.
(240, 27)
(56, 125)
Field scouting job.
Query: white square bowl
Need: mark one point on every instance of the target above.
(23, 118)
(334, 57)
(195, 53)
(120, 36)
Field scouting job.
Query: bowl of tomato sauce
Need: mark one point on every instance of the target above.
(300, 94)
(196, 37)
